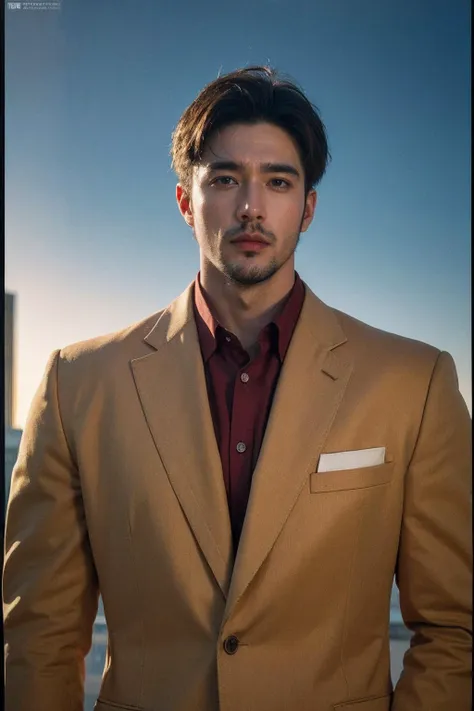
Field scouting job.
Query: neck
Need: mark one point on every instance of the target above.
(245, 310)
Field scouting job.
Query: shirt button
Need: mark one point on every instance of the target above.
(241, 447)
(228, 339)
(245, 377)
(231, 644)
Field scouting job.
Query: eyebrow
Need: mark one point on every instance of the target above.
(264, 167)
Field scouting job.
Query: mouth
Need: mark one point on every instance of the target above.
(250, 242)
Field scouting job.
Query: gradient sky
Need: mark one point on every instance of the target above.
(94, 239)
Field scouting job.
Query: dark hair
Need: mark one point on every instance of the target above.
(250, 95)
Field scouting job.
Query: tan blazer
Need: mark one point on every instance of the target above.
(119, 487)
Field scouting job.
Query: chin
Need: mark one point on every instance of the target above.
(246, 275)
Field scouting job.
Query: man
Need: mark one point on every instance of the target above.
(242, 474)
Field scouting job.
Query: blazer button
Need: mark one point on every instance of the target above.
(231, 644)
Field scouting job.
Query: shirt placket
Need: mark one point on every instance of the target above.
(246, 402)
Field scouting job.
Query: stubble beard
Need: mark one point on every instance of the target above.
(246, 275)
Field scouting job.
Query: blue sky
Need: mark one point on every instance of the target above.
(94, 240)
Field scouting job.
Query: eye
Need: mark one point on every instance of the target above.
(280, 183)
(224, 180)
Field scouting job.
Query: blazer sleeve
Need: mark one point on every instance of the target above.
(50, 589)
(434, 568)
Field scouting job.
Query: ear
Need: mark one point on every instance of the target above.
(184, 205)
(309, 208)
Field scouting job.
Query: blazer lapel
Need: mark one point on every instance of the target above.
(310, 389)
(172, 390)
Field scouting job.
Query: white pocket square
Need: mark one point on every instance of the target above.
(357, 459)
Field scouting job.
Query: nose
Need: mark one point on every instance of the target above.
(251, 204)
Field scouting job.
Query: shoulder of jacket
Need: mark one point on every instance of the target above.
(120, 343)
(363, 337)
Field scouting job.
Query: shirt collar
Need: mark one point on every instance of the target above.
(209, 327)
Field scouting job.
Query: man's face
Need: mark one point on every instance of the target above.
(249, 186)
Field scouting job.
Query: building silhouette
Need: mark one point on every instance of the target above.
(12, 435)
(9, 359)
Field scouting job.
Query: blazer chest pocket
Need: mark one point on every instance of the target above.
(101, 705)
(376, 703)
(349, 479)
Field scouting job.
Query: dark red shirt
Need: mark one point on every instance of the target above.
(241, 390)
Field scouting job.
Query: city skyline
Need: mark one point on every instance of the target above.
(94, 240)
(9, 342)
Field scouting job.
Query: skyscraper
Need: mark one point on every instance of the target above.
(9, 359)
(12, 435)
